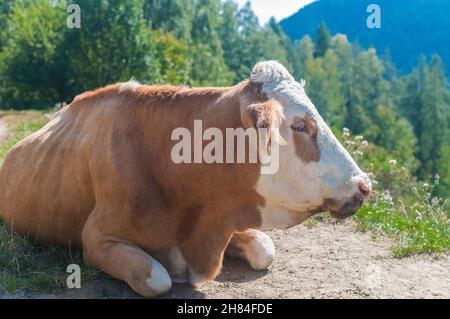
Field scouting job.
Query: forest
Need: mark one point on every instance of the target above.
(397, 126)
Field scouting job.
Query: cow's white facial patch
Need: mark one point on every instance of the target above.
(159, 280)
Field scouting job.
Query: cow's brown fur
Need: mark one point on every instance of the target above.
(99, 175)
(306, 146)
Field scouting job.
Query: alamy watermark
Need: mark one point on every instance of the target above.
(227, 147)
(74, 279)
(374, 19)
(74, 19)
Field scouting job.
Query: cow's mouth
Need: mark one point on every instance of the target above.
(341, 215)
(348, 209)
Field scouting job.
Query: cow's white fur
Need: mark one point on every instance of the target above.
(195, 279)
(274, 216)
(159, 280)
(131, 85)
(259, 252)
(270, 72)
(179, 266)
(299, 186)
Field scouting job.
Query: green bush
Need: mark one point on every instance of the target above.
(402, 207)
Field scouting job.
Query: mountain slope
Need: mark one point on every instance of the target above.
(408, 28)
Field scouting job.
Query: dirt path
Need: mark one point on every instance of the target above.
(326, 261)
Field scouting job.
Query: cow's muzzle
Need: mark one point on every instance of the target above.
(349, 208)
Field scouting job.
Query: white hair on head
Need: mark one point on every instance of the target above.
(270, 72)
(303, 83)
(131, 85)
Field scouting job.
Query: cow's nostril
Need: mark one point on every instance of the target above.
(364, 189)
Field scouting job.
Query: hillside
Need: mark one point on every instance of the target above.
(408, 28)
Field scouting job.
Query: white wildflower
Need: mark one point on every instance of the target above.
(435, 201)
(387, 195)
(393, 162)
(359, 137)
(365, 143)
(419, 217)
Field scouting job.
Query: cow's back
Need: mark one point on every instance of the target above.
(45, 187)
(112, 148)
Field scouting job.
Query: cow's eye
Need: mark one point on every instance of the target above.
(299, 127)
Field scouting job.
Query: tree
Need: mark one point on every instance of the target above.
(396, 136)
(434, 116)
(368, 92)
(208, 66)
(173, 58)
(389, 66)
(174, 16)
(426, 102)
(324, 89)
(231, 40)
(323, 41)
(266, 45)
(32, 72)
(301, 53)
(247, 20)
(114, 44)
(5, 9)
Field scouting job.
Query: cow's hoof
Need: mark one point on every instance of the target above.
(159, 281)
(260, 251)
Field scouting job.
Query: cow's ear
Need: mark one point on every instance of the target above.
(266, 117)
(257, 115)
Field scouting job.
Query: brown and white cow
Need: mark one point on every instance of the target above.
(100, 176)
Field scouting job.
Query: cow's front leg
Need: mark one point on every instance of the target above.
(254, 246)
(204, 251)
(125, 261)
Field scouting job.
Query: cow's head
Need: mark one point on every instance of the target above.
(315, 172)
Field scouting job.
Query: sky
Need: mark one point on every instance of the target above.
(279, 9)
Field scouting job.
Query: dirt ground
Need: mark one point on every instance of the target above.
(327, 261)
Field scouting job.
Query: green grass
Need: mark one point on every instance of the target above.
(23, 264)
(20, 124)
(414, 231)
(30, 266)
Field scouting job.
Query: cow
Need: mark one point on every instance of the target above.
(99, 176)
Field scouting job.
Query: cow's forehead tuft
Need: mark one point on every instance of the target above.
(270, 72)
(290, 94)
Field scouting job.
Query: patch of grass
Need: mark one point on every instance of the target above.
(319, 218)
(23, 264)
(19, 125)
(404, 209)
(413, 231)
(31, 266)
